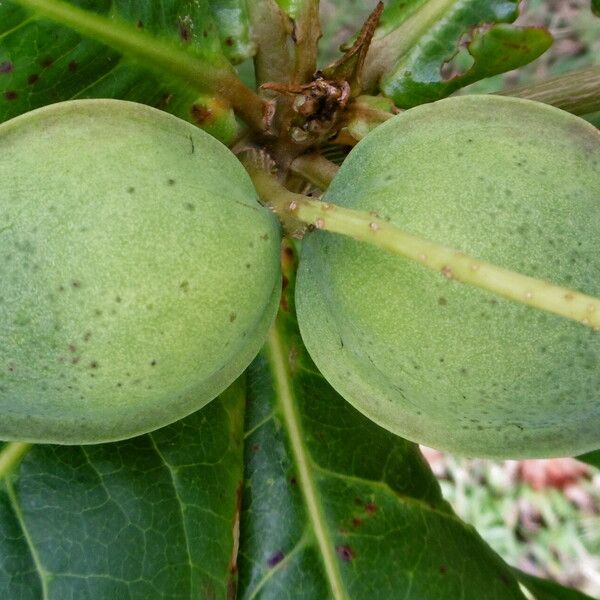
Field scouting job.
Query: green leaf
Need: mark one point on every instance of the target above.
(426, 49)
(549, 590)
(43, 61)
(234, 29)
(336, 507)
(151, 517)
(591, 458)
(596, 7)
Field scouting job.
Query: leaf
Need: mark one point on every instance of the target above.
(426, 49)
(596, 7)
(549, 590)
(42, 62)
(336, 507)
(234, 29)
(151, 517)
(591, 458)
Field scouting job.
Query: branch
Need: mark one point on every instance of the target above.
(577, 92)
(316, 169)
(157, 54)
(449, 262)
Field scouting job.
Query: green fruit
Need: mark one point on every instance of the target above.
(139, 272)
(509, 181)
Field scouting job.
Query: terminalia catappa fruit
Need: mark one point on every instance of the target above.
(509, 181)
(139, 271)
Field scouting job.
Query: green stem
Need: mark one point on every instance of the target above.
(577, 92)
(316, 169)
(157, 54)
(11, 456)
(449, 262)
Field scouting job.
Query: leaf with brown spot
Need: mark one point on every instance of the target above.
(63, 64)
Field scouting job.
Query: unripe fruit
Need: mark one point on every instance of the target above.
(139, 272)
(509, 181)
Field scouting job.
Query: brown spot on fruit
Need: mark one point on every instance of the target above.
(33, 79)
(73, 66)
(10, 95)
(47, 62)
(370, 508)
(6, 67)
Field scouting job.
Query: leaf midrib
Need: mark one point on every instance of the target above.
(16, 507)
(287, 403)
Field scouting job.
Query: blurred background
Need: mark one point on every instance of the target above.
(541, 516)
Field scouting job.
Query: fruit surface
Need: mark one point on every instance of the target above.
(509, 181)
(139, 272)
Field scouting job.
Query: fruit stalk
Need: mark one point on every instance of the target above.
(316, 169)
(216, 76)
(449, 262)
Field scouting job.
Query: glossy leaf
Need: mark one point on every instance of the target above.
(426, 49)
(336, 507)
(151, 517)
(42, 62)
(591, 458)
(549, 590)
